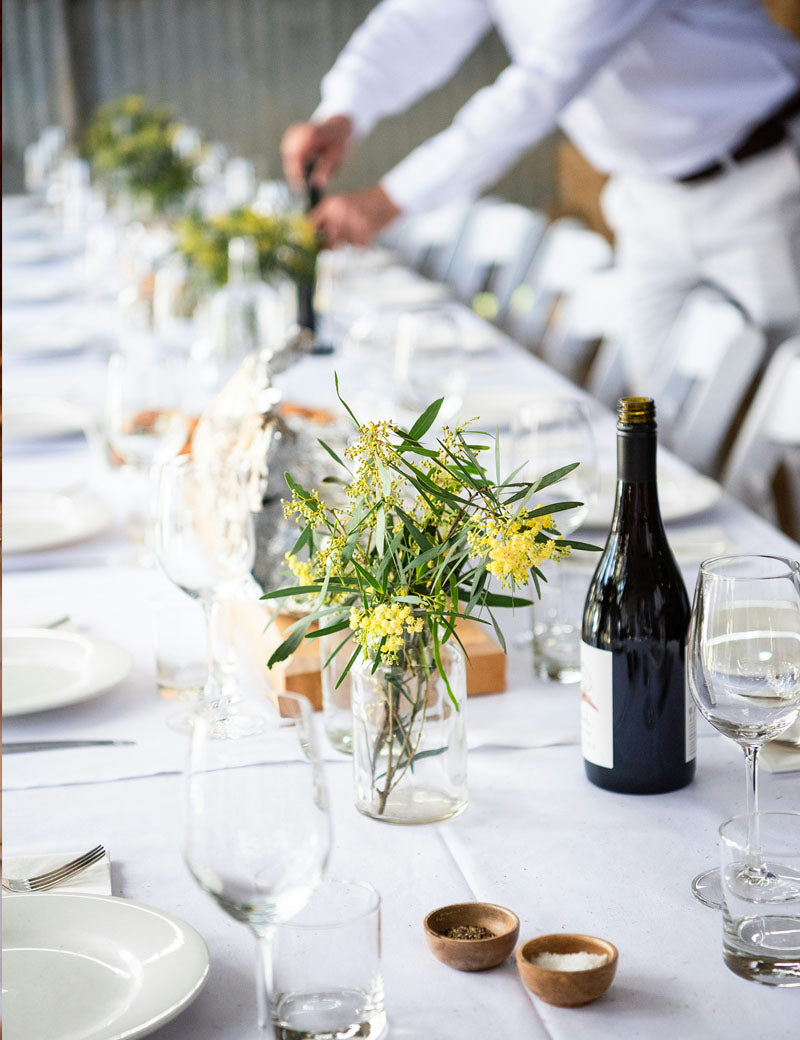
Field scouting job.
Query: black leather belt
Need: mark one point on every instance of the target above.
(766, 135)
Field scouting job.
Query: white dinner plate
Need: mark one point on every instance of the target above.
(38, 251)
(680, 497)
(37, 520)
(42, 418)
(50, 668)
(86, 967)
(41, 339)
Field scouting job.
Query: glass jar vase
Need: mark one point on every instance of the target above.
(409, 742)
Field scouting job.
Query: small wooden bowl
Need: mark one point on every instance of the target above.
(472, 954)
(566, 988)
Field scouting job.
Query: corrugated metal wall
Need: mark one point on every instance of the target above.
(240, 70)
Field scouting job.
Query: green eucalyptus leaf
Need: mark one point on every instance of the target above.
(426, 420)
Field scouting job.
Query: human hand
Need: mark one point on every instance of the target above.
(353, 219)
(319, 145)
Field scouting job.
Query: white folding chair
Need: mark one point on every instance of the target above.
(493, 252)
(567, 253)
(711, 356)
(427, 241)
(581, 322)
(769, 431)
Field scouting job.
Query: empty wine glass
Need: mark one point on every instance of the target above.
(205, 543)
(548, 433)
(257, 833)
(145, 423)
(743, 671)
(428, 359)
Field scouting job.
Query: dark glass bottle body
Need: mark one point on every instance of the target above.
(637, 721)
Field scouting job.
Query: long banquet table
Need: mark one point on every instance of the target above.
(536, 836)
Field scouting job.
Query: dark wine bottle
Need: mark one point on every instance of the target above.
(307, 287)
(637, 719)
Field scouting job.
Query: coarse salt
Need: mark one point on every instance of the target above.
(569, 961)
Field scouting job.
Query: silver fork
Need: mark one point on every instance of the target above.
(41, 882)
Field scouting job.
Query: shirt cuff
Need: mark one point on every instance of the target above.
(361, 120)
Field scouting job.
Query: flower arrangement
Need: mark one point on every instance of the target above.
(130, 146)
(285, 243)
(410, 551)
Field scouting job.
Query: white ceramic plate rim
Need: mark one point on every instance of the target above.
(121, 921)
(91, 517)
(697, 494)
(42, 418)
(109, 664)
(44, 339)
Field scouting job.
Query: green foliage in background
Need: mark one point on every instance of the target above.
(130, 147)
(286, 243)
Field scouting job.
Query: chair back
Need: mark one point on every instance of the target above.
(567, 253)
(769, 430)
(426, 241)
(710, 356)
(581, 321)
(494, 250)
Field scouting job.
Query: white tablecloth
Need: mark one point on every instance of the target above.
(536, 837)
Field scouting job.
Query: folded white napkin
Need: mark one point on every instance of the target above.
(95, 880)
(779, 758)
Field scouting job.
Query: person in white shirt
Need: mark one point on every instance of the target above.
(690, 105)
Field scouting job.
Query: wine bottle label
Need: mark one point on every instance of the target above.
(597, 706)
(691, 727)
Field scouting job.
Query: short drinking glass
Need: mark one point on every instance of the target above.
(328, 981)
(761, 924)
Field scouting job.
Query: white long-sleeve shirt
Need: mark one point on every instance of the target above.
(652, 87)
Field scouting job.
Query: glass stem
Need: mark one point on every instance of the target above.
(753, 829)
(212, 678)
(264, 938)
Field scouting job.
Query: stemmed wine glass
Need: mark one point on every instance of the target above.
(145, 423)
(743, 671)
(429, 360)
(548, 433)
(257, 833)
(205, 543)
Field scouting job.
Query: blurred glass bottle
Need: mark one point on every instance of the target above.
(247, 314)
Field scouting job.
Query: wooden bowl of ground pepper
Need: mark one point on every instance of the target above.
(471, 936)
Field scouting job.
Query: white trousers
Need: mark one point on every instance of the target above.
(739, 231)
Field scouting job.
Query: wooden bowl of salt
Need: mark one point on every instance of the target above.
(567, 969)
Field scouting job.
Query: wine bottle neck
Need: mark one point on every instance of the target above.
(636, 454)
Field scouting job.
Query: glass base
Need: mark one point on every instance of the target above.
(763, 949)
(772, 886)
(553, 671)
(412, 806)
(339, 1014)
(707, 888)
(225, 727)
(557, 652)
(340, 741)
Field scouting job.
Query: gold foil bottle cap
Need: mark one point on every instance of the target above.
(636, 410)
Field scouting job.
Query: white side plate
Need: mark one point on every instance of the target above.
(41, 339)
(37, 520)
(95, 967)
(680, 498)
(45, 669)
(42, 418)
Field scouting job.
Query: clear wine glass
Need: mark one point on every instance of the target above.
(145, 423)
(205, 544)
(257, 833)
(429, 359)
(743, 670)
(548, 433)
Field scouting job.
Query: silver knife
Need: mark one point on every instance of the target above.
(14, 746)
